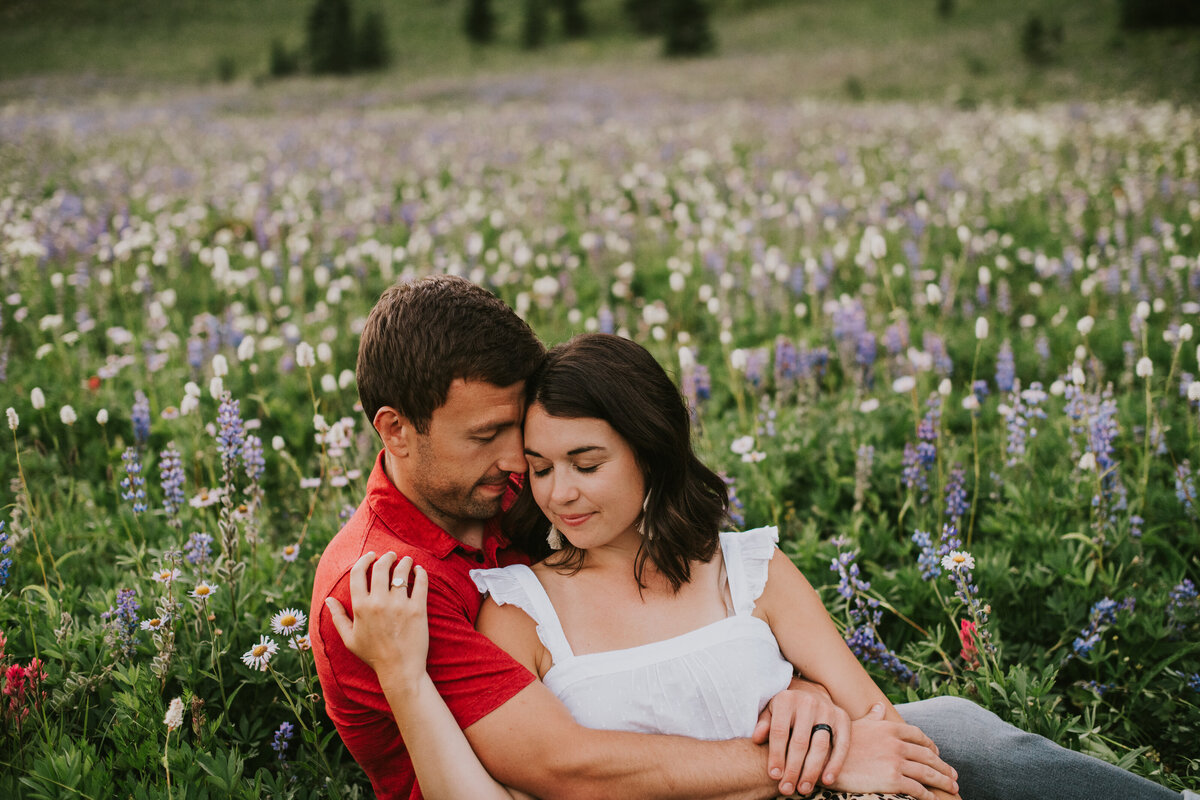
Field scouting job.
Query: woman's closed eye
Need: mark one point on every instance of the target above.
(544, 471)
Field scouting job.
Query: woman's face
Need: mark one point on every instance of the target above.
(584, 477)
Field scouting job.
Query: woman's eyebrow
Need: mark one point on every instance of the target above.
(587, 448)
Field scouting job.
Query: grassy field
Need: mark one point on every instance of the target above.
(881, 49)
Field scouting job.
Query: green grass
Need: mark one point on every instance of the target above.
(884, 49)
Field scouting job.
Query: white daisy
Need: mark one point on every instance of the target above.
(288, 621)
(259, 656)
(958, 559)
(203, 590)
(166, 575)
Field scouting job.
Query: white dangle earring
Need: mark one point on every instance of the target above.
(643, 528)
(554, 538)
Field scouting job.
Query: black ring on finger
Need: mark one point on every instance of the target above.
(821, 726)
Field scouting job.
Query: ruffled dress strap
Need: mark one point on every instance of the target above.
(517, 585)
(747, 557)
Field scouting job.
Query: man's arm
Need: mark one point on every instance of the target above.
(532, 742)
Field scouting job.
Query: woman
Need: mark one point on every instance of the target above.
(643, 615)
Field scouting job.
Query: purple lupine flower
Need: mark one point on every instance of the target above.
(1185, 488)
(862, 632)
(928, 560)
(282, 739)
(140, 415)
(1135, 526)
(956, 493)
(703, 382)
(122, 622)
(1005, 370)
(5, 561)
(936, 347)
(1003, 298)
(198, 550)
(912, 476)
(604, 319)
(1103, 614)
(230, 432)
(787, 364)
(170, 470)
(895, 337)
(195, 352)
(1182, 601)
(1193, 682)
(133, 485)
(1042, 347)
(252, 458)
(980, 389)
(864, 458)
(756, 366)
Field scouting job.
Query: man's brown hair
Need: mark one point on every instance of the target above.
(423, 335)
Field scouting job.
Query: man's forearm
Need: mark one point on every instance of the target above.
(533, 743)
(616, 764)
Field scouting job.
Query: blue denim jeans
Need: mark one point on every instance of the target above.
(997, 761)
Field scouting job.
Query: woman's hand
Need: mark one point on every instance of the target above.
(389, 631)
(800, 757)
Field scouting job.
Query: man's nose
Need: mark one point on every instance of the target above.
(512, 459)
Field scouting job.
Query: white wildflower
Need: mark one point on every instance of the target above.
(174, 718)
(958, 559)
(305, 357)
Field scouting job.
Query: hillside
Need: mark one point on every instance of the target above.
(872, 49)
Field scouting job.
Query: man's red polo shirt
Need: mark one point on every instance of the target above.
(474, 676)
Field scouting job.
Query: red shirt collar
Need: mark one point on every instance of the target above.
(405, 521)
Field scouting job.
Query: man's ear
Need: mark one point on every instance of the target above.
(394, 429)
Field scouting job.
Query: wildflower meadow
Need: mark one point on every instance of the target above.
(950, 353)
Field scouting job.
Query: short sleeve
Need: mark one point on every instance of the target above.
(747, 557)
(473, 675)
(517, 585)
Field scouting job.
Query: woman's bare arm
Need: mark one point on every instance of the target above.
(390, 633)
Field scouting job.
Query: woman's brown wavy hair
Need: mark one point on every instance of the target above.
(600, 376)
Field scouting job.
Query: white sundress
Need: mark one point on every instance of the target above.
(710, 683)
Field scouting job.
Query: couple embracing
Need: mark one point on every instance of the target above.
(536, 598)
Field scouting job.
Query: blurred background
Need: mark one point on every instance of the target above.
(962, 51)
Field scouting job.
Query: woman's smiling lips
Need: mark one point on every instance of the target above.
(574, 520)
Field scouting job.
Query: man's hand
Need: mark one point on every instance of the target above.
(895, 757)
(797, 754)
(389, 631)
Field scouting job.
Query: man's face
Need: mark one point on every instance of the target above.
(458, 472)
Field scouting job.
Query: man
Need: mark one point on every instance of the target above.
(440, 374)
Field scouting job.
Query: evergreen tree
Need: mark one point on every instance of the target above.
(373, 50)
(574, 21)
(685, 24)
(479, 22)
(330, 37)
(533, 27)
(646, 15)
